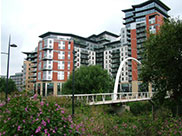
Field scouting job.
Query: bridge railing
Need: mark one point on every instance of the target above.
(112, 97)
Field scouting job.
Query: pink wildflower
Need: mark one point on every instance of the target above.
(41, 103)
(35, 96)
(48, 120)
(62, 111)
(38, 129)
(26, 109)
(45, 130)
(1, 104)
(43, 123)
(54, 131)
(9, 99)
(19, 128)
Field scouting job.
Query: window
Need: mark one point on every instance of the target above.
(68, 65)
(40, 46)
(69, 46)
(61, 45)
(39, 66)
(62, 64)
(69, 55)
(39, 76)
(40, 55)
(59, 65)
(61, 55)
(61, 75)
(68, 74)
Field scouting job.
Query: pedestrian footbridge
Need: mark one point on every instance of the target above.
(111, 98)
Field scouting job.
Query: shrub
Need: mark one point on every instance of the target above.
(23, 116)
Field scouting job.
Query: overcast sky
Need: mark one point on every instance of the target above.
(25, 20)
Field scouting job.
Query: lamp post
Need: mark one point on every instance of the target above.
(9, 45)
(73, 83)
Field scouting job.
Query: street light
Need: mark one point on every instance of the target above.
(73, 84)
(9, 45)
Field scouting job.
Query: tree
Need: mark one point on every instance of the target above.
(89, 79)
(11, 85)
(162, 61)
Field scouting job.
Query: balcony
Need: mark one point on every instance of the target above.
(33, 75)
(84, 62)
(34, 66)
(143, 25)
(34, 61)
(115, 56)
(141, 30)
(84, 52)
(34, 56)
(115, 52)
(114, 71)
(34, 70)
(84, 57)
(140, 41)
(115, 66)
(47, 57)
(142, 35)
(47, 47)
(46, 68)
(116, 61)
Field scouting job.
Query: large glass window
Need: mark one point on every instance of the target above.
(50, 88)
(58, 88)
(43, 93)
(38, 88)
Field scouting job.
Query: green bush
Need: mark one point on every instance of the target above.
(22, 116)
(140, 107)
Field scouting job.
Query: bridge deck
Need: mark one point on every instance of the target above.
(109, 98)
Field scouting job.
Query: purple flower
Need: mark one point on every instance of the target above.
(1, 104)
(134, 127)
(9, 99)
(26, 109)
(43, 123)
(48, 120)
(18, 128)
(62, 111)
(54, 131)
(41, 103)
(23, 121)
(38, 129)
(45, 130)
(72, 126)
(35, 96)
(64, 134)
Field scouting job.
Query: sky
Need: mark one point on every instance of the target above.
(25, 20)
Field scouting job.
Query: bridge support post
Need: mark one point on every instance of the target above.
(134, 86)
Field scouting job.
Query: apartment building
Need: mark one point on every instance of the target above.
(140, 20)
(52, 60)
(27, 75)
(18, 79)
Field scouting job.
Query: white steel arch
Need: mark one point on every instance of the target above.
(119, 73)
